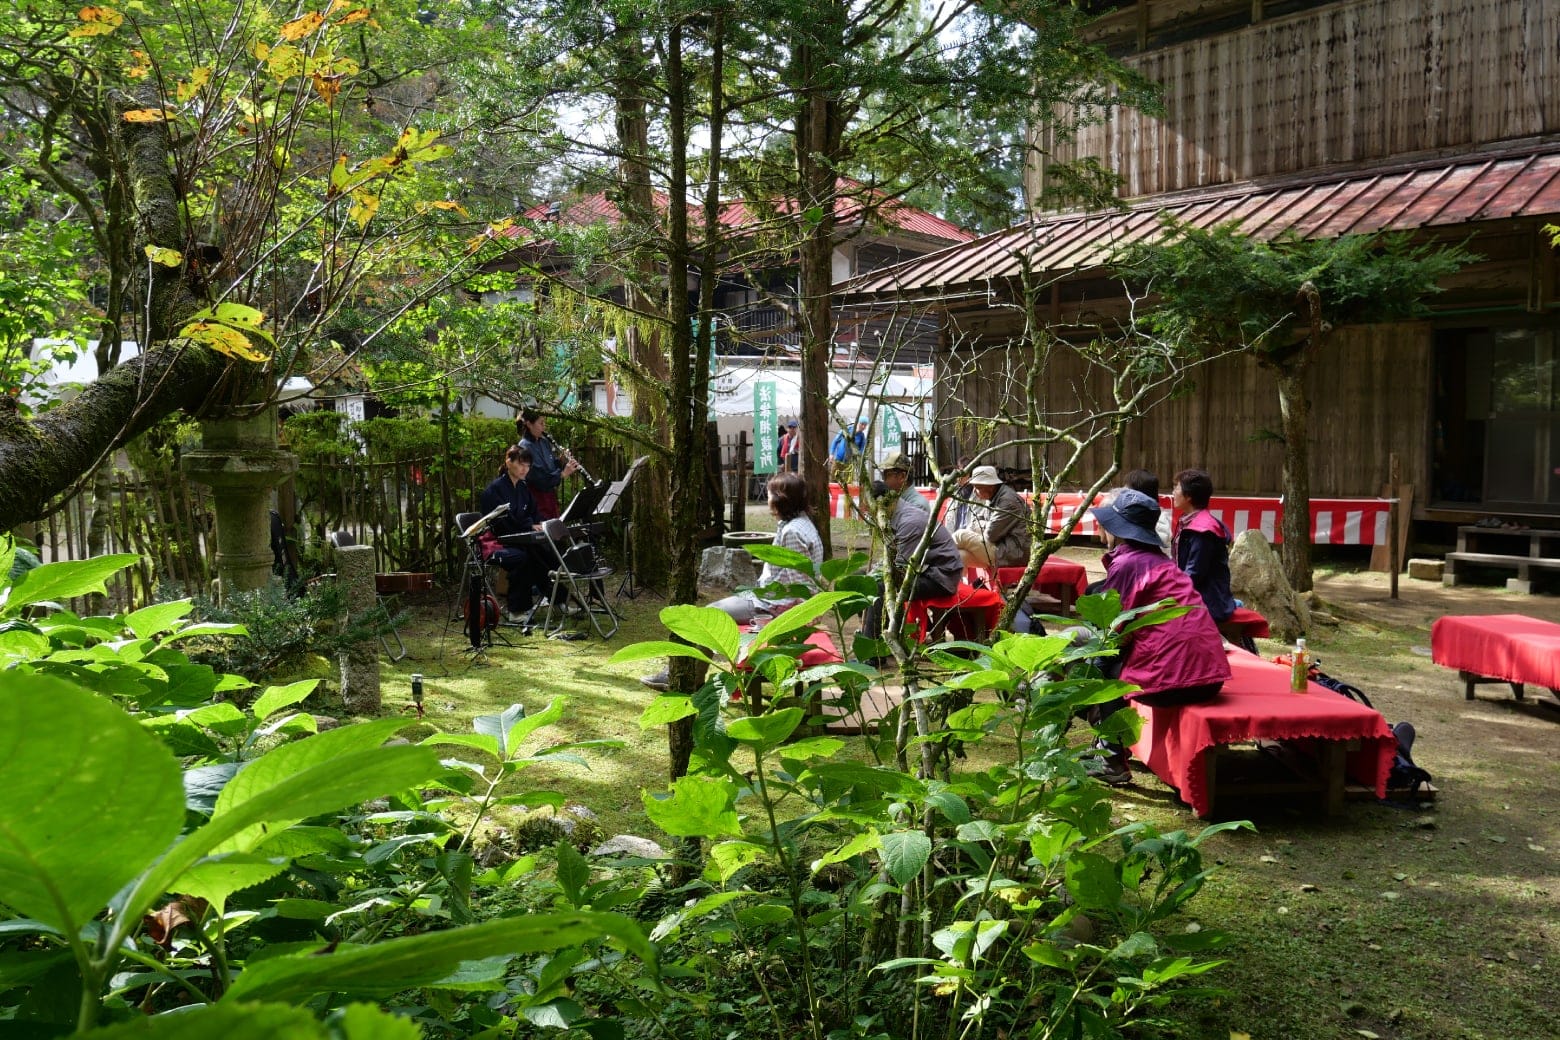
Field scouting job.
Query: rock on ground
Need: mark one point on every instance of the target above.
(725, 568)
(1257, 579)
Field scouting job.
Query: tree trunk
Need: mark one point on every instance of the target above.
(819, 135)
(1295, 411)
(651, 548)
(686, 414)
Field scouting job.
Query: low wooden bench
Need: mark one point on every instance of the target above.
(1469, 554)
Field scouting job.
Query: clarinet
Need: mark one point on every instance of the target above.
(568, 456)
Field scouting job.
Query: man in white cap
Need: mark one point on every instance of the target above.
(997, 532)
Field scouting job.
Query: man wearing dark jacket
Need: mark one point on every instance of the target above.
(941, 567)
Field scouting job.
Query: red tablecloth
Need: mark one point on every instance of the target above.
(1257, 704)
(918, 612)
(1054, 572)
(1255, 624)
(1334, 521)
(1511, 647)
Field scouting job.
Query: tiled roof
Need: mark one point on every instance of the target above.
(848, 209)
(1481, 187)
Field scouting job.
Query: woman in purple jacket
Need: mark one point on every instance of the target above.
(1179, 662)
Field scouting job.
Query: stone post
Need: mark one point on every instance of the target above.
(355, 566)
(240, 461)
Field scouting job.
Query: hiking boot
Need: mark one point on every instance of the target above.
(1113, 768)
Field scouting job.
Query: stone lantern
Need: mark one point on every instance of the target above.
(240, 460)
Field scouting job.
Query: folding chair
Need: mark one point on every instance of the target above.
(578, 579)
(342, 539)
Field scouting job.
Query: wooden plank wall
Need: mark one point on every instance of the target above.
(1370, 395)
(1345, 83)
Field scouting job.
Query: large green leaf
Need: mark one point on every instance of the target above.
(704, 626)
(65, 580)
(667, 709)
(275, 698)
(767, 730)
(905, 853)
(420, 960)
(655, 648)
(798, 617)
(292, 783)
(91, 798)
(235, 1021)
(696, 807)
(157, 618)
(1092, 881)
(214, 880)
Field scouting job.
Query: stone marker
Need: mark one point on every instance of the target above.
(355, 566)
(725, 568)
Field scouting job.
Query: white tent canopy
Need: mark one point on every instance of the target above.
(909, 393)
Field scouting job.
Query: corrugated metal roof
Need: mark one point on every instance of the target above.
(1516, 183)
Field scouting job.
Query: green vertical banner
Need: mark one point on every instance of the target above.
(766, 421)
(888, 429)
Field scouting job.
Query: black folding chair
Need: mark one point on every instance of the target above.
(578, 581)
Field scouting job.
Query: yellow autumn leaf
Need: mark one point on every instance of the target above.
(364, 205)
(222, 339)
(298, 28)
(188, 88)
(284, 62)
(327, 87)
(146, 115)
(97, 21)
(357, 14)
(423, 207)
(165, 256)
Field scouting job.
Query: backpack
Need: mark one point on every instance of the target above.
(838, 447)
(1406, 775)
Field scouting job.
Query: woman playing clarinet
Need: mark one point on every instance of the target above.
(548, 468)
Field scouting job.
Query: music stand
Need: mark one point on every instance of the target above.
(582, 507)
(604, 509)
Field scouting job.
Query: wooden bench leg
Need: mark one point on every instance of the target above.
(1333, 756)
(1210, 778)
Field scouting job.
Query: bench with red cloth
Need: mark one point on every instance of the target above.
(1062, 580)
(967, 613)
(1330, 735)
(1508, 648)
(820, 650)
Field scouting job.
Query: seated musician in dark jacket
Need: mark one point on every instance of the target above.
(526, 567)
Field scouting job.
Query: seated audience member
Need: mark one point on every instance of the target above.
(788, 505)
(1202, 543)
(1179, 662)
(997, 533)
(527, 568)
(1147, 482)
(957, 514)
(941, 567)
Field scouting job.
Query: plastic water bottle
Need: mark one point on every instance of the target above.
(1299, 668)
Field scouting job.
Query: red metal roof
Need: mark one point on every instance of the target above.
(1497, 186)
(850, 207)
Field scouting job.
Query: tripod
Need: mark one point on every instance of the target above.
(476, 603)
